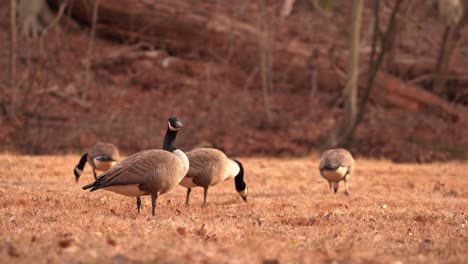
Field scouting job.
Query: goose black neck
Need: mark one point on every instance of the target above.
(239, 179)
(169, 140)
(82, 161)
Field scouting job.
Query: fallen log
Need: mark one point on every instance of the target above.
(183, 28)
(397, 92)
(422, 70)
(176, 25)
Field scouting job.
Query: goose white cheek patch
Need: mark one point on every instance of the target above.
(171, 127)
(243, 193)
(78, 171)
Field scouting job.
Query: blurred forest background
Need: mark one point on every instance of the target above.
(386, 78)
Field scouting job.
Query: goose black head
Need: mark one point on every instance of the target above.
(77, 173)
(174, 123)
(80, 166)
(241, 186)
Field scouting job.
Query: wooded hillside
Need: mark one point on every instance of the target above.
(250, 77)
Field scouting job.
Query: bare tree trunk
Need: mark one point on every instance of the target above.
(10, 101)
(396, 35)
(448, 47)
(375, 63)
(350, 91)
(90, 50)
(266, 69)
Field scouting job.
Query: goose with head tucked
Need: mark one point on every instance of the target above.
(101, 157)
(337, 165)
(209, 167)
(149, 172)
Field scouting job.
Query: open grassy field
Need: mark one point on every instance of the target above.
(397, 213)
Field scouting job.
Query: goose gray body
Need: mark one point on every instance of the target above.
(150, 172)
(337, 165)
(101, 157)
(209, 167)
(143, 173)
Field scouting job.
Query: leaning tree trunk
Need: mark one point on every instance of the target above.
(9, 101)
(450, 41)
(350, 91)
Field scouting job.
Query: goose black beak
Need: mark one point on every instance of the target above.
(244, 198)
(77, 175)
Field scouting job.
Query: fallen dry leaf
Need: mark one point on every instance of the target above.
(12, 251)
(182, 231)
(111, 241)
(202, 231)
(64, 243)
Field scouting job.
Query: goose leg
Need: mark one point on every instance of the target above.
(94, 171)
(346, 185)
(189, 190)
(154, 197)
(334, 186)
(138, 199)
(205, 193)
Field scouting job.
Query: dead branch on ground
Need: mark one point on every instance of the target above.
(287, 9)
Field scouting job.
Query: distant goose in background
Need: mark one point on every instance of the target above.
(336, 165)
(209, 167)
(101, 157)
(149, 172)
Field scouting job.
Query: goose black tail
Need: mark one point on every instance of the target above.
(88, 186)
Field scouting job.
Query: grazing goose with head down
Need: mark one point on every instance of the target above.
(150, 172)
(101, 157)
(209, 167)
(336, 165)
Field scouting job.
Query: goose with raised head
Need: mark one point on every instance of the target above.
(149, 172)
(101, 157)
(337, 165)
(209, 167)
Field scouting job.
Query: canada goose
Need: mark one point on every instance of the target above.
(336, 165)
(101, 157)
(209, 167)
(149, 172)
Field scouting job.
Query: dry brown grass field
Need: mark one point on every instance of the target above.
(397, 213)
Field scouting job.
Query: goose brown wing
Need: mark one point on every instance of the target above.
(334, 158)
(205, 165)
(135, 169)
